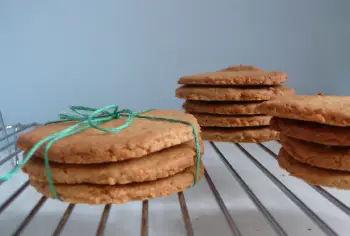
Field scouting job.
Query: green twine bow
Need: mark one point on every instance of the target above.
(93, 120)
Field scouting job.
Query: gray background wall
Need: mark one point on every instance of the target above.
(59, 53)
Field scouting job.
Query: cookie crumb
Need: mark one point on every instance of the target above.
(320, 94)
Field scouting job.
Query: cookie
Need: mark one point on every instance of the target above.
(224, 108)
(241, 68)
(336, 158)
(331, 110)
(205, 120)
(154, 166)
(229, 77)
(142, 137)
(117, 194)
(239, 135)
(204, 93)
(314, 175)
(314, 132)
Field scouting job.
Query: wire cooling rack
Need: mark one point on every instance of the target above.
(243, 193)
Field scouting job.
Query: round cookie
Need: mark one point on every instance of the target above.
(224, 108)
(142, 137)
(313, 132)
(314, 175)
(240, 135)
(154, 166)
(241, 68)
(241, 77)
(204, 93)
(331, 110)
(231, 121)
(318, 155)
(117, 194)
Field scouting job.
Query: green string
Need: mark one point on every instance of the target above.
(93, 119)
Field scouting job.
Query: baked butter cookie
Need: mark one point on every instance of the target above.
(117, 194)
(314, 175)
(238, 77)
(337, 158)
(223, 108)
(240, 135)
(142, 137)
(314, 132)
(205, 120)
(205, 93)
(331, 110)
(154, 166)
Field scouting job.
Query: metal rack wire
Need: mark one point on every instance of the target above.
(216, 152)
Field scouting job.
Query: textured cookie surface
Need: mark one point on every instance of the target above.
(241, 68)
(154, 166)
(311, 131)
(142, 137)
(231, 121)
(337, 158)
(108, 194)
(314, 175)
(224, 108)
(331, 110)
(232, 93)
(237, 135)
(240, 77)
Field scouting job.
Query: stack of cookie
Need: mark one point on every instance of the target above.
(315, 137)
(224, 102)
(148, 159)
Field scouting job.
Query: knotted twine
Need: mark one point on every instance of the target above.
(93, 120)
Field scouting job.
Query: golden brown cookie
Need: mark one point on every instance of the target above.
(314, 175)
(117, 194)
(142, 137)
(224, 108)
(239, 135)
(337, 158)
(154, 166)
(331, 110)
(241, 67)
(314, 132)
(229, 77)
(205, 120)
(204, 93)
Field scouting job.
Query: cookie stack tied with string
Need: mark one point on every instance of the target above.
(224, 102)
(115, 157)
(315, 137)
